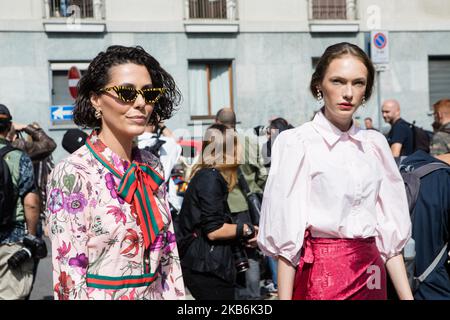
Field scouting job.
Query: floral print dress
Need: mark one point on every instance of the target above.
(98, 246)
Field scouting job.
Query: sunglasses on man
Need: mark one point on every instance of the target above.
(129, 94)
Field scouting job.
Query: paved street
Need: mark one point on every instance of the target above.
(42, 289)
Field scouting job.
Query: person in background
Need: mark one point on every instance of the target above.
(440, 142)
(73, 140)
(335, 210)
(431, 228)
(39, 147)
(211, 243)
(161, 142)
(275, 127)
(19, 213)
(400, 137)
(254, 174)
(369, 124)
(111, 230)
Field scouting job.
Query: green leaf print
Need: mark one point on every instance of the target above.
(69, 181)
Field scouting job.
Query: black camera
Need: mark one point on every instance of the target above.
(240, 257)
(239, 254)
(33, 248)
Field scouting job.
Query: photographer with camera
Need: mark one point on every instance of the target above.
(245, 200)
(19, 215)
(211, 245)
(39, 147)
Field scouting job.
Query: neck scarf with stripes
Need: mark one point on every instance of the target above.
(137, 187)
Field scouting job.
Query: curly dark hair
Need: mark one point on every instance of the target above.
(97, 76)
(336, 51)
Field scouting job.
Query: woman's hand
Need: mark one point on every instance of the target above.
(251, 243)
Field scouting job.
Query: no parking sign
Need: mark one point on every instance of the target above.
(379, 47)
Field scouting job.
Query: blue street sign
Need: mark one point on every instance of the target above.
(61, 113)
(380, 40)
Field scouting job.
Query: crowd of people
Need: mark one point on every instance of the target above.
(328, 210)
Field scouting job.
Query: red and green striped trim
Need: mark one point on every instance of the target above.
(104, 282)
(102, 159)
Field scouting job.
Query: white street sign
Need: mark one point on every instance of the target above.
(379, 47)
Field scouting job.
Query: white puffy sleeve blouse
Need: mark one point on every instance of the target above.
(337, 185)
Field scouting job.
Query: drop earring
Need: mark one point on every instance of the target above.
(97, 114)
(363, 104)
(319, 99)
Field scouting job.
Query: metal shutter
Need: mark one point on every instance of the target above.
(439, 77)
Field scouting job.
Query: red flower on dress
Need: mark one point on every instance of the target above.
(118, 214)
(132, 240)
(63, 251)
(98, 144)
(64, 286)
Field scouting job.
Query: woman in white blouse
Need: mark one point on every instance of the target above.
(335, 211)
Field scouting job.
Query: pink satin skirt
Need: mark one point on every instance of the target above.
(340, 269)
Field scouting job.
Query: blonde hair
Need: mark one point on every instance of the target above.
(220, 150)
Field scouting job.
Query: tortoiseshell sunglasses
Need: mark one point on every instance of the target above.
(129, 94)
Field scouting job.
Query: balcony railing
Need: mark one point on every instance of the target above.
(66, 8)
(79, 9)
(211, 9)
(329, 9)
(333, 16)
(207, 9)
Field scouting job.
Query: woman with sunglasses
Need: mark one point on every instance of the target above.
(335, 211)
(109, 221)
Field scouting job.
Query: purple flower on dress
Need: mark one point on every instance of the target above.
(79, 263)
(166, 242)
(171, 243)
(56, 200)
(158, 243)
(75, 203)
(109, 181)
(111, 185)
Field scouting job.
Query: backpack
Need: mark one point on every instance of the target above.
(42, 170)
(411, 178)
(155, 148)
(421, 138)
(7, 195)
